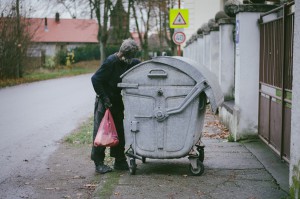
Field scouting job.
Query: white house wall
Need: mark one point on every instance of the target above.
(50, 49)
(295, 128)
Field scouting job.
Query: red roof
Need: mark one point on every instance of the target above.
(135, 37)
(66, 30)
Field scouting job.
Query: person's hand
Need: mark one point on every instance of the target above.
(107, 103)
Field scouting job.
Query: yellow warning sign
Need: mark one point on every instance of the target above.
(179, 18)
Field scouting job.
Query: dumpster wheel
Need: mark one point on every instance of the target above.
(198, 170)
(201, 153)
(132, 166)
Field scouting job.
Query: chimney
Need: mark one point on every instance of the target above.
(46, 25)
(57, 17)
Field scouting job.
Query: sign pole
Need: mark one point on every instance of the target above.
(178, 47)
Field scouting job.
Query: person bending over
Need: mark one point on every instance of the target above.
(105, 82)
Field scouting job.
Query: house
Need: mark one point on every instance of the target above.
(50, 35)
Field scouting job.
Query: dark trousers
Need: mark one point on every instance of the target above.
(98, 153)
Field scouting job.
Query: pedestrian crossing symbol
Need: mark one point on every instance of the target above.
(179, 18)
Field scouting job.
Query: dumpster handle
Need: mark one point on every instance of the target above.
(127, 85)
(157, 73)
(192, 95)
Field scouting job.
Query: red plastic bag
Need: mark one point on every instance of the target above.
(107, 133)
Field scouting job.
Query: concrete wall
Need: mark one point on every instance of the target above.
(226, 63)
(247, 70)
(200, 49)
(295, 132)
(206, 61)
(241, 115)
(214, 52)
(239, 78)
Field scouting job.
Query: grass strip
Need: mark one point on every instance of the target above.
(107, 185)
(45, 74)
(82, 135)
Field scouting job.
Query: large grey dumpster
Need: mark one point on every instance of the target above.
(165, 101)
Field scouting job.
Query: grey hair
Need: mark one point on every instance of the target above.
(129, 47)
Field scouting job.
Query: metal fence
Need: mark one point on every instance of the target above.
(275, 78)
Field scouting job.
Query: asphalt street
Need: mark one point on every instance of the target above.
(33, 118)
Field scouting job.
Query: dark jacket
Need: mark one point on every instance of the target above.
(107, 77)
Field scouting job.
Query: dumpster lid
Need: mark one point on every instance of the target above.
(196, 71)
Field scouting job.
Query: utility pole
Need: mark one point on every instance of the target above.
(178, 46)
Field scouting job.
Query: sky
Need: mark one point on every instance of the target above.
(43, 8)
(200, 11)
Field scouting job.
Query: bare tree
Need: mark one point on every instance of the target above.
(119, 24)
(168, 32)
(142, 11)
(162, 24)
(14, 41)
(153, 16)
(102, 9)
(70, 6)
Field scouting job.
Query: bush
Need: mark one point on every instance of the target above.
(50, 63)
(87, 52)
(111, 49)
(60, 57)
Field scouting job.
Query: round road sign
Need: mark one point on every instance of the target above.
(178, 37)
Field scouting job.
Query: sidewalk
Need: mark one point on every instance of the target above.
(232, 170)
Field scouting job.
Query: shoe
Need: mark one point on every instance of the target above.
(121, 165)
(102, 168)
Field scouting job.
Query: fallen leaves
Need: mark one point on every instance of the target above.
(215, 129)
(116, 193)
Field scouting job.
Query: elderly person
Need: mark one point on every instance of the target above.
(105, 82)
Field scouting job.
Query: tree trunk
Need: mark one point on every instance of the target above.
(102, 31)
(18, 71)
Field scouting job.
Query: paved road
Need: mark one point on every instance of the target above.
(232, 171)
(33, 118)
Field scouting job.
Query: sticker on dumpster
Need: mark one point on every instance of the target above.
(178, 38)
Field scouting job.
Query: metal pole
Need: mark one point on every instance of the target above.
(178, 46)
(283, 82)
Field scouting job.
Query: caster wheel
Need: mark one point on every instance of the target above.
(143, 159)
(199, 170)
(201, 154)
(132, 166)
